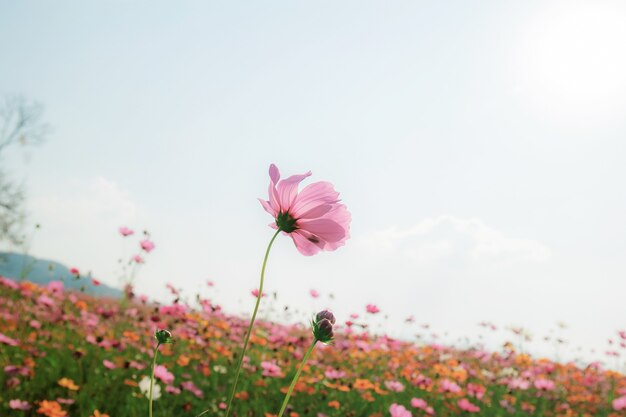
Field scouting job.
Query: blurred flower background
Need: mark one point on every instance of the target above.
(479, 148)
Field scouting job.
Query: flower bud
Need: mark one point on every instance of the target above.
(325, 314)
(163, 336)
(323, 331)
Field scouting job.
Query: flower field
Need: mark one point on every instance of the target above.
(64, 353)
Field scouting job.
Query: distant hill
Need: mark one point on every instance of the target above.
(41, 271)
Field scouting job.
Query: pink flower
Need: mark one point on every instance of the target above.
(399, 411)
(314, 218)
(125, 231)
(95, 282)
(108, 364)
(19, 405)
(45, 300)
(270, 369)
(147, 245)
(544, 384)
(74, 271)
(255, 292)
(419, 403)
(372, 309)
(314, 293)
(191, 387)
(35, 324)
(445, 385)
(394, 386)
(138, 259)
(8, 341)
(334, 374)
(465, 405)
(172, 389)
(222, 406)
(619, 403)
(56, 287)
(163, 374)
(210, 283)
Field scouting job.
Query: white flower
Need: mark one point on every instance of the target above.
(220, 369)
(144, 386)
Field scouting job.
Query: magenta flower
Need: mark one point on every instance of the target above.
(372, 309)
(255, 293)
(163, 374)
(619, 403)
(147, 245)
(108, 364)
(314, 293)
(271, 369)
(465, 405)
(314, 217)
(395, 386)
(19, 405)
(544, 384)
(125, 231)
(399, 411)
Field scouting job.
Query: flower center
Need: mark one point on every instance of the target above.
(285, 222)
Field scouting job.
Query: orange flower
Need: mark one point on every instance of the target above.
(97, 413)
(334, 404)
(51, 409)
(183, 360)
(69, 384)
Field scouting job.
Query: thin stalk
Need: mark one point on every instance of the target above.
(156, 352)
(249, 332)
(295, 378)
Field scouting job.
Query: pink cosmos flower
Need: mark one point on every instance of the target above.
(314, 217)
(163, 374)
(74, 271)
(314, 293)
(372, 309)
(125, 231)
(445, 385)
(465, 405)
(19, 405)
(138, 259)
(95, 282)
(45, 300)
(108, 364)
(172, 389)
(619, 403)
(399, 411)
(394, 386)
(334, 374)
(255, 293)
(147, 245)
(544, 384)
(191, 387)
(270, 369)
(419, 403)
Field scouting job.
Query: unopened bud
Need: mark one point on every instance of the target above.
(163, 336)
(325, 314)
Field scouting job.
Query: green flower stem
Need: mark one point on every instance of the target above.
(156, 352)
(295, 378)
(247, 339)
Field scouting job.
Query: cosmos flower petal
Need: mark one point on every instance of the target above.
(274, 173)
(326, 229)
(268, 207)
(303, 244)
(313, 195)
(288, 190)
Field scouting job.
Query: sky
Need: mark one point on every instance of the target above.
(478, 146)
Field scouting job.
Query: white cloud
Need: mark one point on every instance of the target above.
(85, 203)
(446, 239)
(79, 221)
